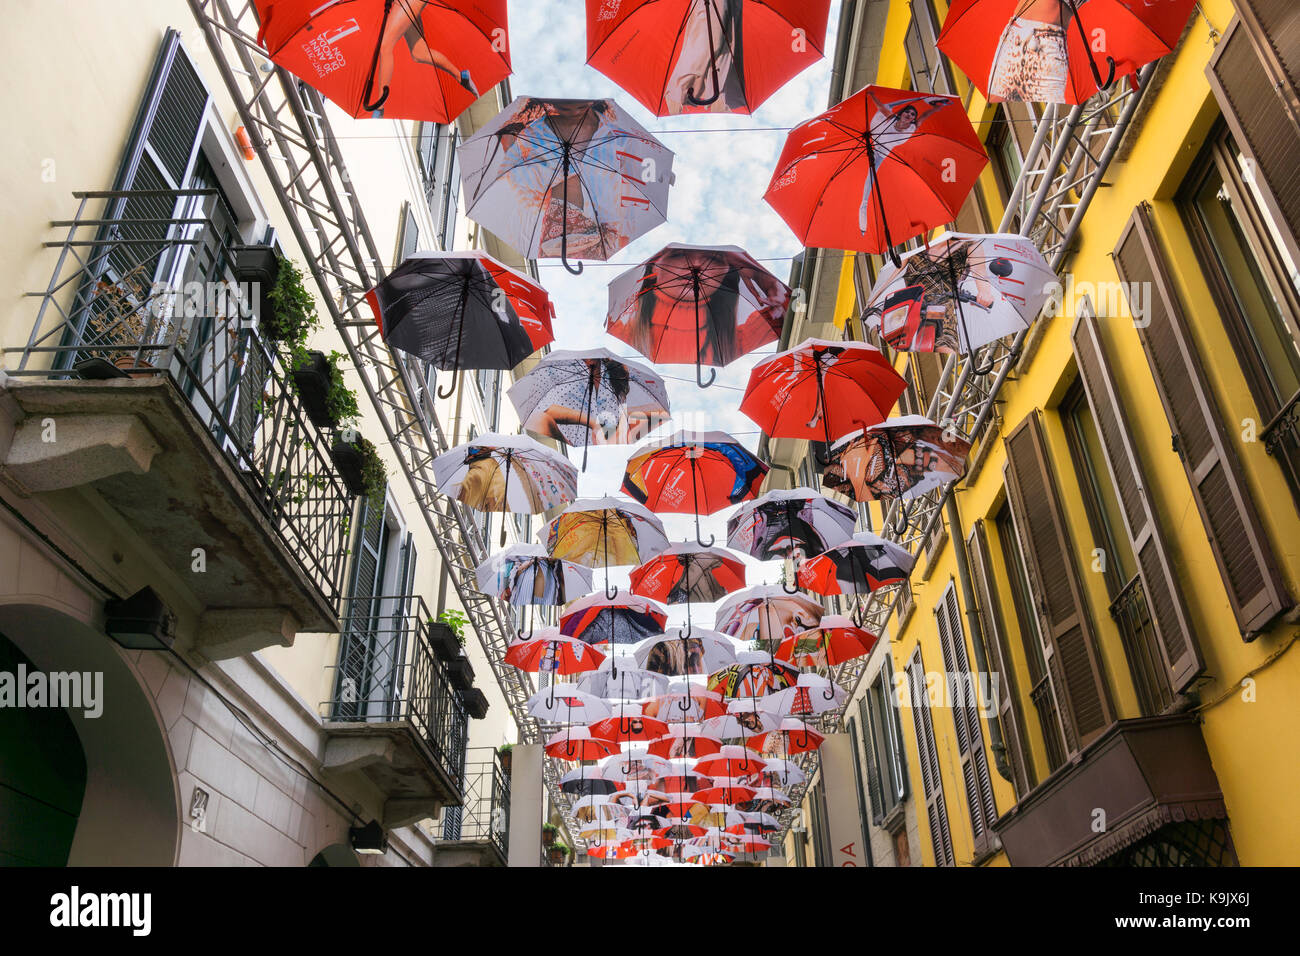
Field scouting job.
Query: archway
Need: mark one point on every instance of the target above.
(336, 854)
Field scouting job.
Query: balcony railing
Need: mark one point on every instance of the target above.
(484, 817)
(145, 290)
(1281, 437)
(388, 672)
(1132, 613)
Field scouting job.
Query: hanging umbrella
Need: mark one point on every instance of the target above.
(617, 621)
(635, 767)
(554, 177)
(730, 761)
(820, 390)
(462, 310)
(796, 523)
(857, 567)
(598, 809)
(685, 740)
(813, 695)
(591, 397)
(564, 703)
(679, 652)
(606, 532)
(700, 305)
(688, 572)
(959, 293)
(765, 800)
(509, 473)
(876, 169)
(787, 771)
(835, 640)
(791, 737)
(524, 574)
(753, 675)
(549, 651)
(704, 56)
(724, 790)
(740, 722)
(1010, 56)
(684, 703)
(410, 60)
(693, 473)
(577, 743)
(588, 781)
(739, 822)
(617, 849)
(682, 780)
(628, 724)
(619, 678)
(766, 613)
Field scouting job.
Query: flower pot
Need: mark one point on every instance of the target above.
(548, 837)
(446, 646)
(311, 376)
(260, 267)
(460, 673)
(503, 757)
(556, 855)
(476, 704)
(135, 368)
(350, 460)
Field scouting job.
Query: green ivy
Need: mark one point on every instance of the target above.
(340, 400)
(293, 309)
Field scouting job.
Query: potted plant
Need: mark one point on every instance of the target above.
(258, 266)
(128, 323)
(460, 672)
(557, 853)
(360, 466)
(550, 833)
(447, 634)
(504, 757)
(476, 703)
(292, 313)
(318, 379)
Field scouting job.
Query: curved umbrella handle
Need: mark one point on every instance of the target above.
(789, 590)
(374, 65)
(564, 226)
(982, 370)
(1092, 61)
(450, 391)
(713, 67)
(699, 375)
(701, 542)
(904, 515)
(610, 595)
(377, 104)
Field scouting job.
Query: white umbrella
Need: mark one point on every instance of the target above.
(524, 574)
(511, 473)
(679, 651)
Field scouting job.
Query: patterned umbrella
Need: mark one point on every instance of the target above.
(835, 640)
(588, 781)
(693, 473)
(597, 619)
(509, 473)
(564, 703)
(524, 574)
(791, 737)
(687, 573)
(766, 613)
(462, 310)
(753, 675)
(857, 567)
(615, 681)
(796, 523)
(813, 695)
(679, 652)
(549, 651)
(590, 397)
(577, 743)
(606, 532)
(685, 740)
(548, 176)
(701, 305)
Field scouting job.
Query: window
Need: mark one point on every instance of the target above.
(408, 234)
(427, 153)
(488, 381)
(928, 67)
(885, 768)
(935, 809)
(1004, 150)
(1255, 283)
(449, 199)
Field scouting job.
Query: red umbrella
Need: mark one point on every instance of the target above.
(835, 640)
(1023, 50)
(724, 790)
(698, 56)
(857, 566)
(792, 737)
(549, 650)
(629, 727)
(705, 305)
(693, 473)
(730, 761)
(410, 59)
(821, 390)
(876, 169)
(577, 743)
(688, 572)
(685, 740)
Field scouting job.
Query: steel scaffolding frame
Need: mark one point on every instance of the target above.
(287, 122)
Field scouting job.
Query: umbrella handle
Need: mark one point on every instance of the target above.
(904, 516)
(1092, 61)
(450, 391)
(788, 590)
(374, 65)
(699, 375)
(983, 370)
(564, 226)
(610, 595)
(713, 66)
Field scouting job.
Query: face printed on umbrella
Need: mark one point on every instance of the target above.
(669, 657)
(907, 462)
(711, 39)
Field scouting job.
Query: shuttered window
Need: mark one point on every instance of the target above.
(936, 811)
(1175, 640)
(928, 67)
(358, 644)
(1244, 554)
(995, 633)
(408, 234)
(963, 686)
(1082, 700)
(886, 772)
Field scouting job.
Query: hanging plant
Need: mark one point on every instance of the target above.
(360, 467)
(456, 621)
(292, 315)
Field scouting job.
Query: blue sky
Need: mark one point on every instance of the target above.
(722, 165)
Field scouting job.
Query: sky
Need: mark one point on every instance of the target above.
(722, 166)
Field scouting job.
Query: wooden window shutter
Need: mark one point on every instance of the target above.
(361, 624)
(970, 739)
(1069, 642)
(935, 810)
(870, 738)
(1174, 635)
(1274, 27)
(990, 612)
(1245, 557)
(1257, 99)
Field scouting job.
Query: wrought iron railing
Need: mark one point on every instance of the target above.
(1132, 613)
(484, 816)
(388, 672)
(156, 297)
(1281, 437)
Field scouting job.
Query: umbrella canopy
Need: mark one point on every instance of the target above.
(724, 790)
(730, 761)
(605, 532)
(835, 640)
(635, 767)
(752, 678)
(577, 743)
(549, 651)
(821, 389)
(588, 781)
(876, 169)
(693, 473)
(704, 56)
(739, 724)
(685, 740)
(597, 619)
(564, 703)
(1010, 56)
(566, 177)
(525, 574)
(620, 678)
(598, 809)
(813, 695)
(792, 736)
(462, 310)
(506, 473)
(629, 726)
(701, 305)
(412, 60)
(678, 652)
(765, 800)
(900, 458)
(960, 292)
(795, 523)
(766, 612)
(688, 573)
(786, 771)
(684, 703)
(858, 566)
(590, 397)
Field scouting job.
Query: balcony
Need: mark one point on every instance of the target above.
(477, 833)
(396, 719)
(1143, 793)
(145, 381)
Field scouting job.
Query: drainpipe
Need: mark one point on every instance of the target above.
(996, 743)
